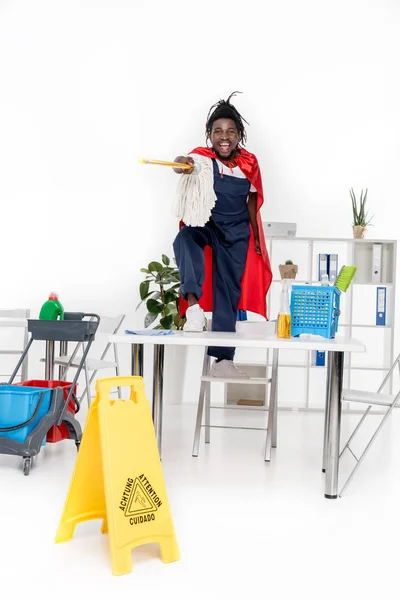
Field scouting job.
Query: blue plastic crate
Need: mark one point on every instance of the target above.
(314, 309)
(17, 405)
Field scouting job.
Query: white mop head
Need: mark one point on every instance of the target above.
(195, 194)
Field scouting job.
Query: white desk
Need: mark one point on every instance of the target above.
(335, 349)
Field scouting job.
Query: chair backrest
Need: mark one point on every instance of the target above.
(389, 375)
(14, 340)
(109, 325)
(14, 313)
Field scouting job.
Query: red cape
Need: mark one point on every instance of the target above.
(257, 275)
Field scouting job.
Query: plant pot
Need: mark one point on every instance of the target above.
(359, 232)
(288, 271)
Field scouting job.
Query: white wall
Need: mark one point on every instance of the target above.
(88, 87)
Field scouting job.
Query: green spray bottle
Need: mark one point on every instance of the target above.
(52, 309)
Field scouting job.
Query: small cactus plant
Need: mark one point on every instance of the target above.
(288, 270)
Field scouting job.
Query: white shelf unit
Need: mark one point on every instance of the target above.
(302, 383)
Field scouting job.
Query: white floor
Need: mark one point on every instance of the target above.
(244, 528)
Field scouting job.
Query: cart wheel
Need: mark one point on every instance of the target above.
(77, 444)
(27, 465)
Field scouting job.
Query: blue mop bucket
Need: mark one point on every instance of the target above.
(22, 408)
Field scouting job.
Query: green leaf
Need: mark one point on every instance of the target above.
(174, 272)
(170, 296)
(166, 278)
(155, 267)
(171, 309)
(144, 271)
(154, 295)
(166, 322)
(165, 260)
(144, 289)
(155, 307)
(149, 319)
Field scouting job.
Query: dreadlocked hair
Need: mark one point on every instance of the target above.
(225, 110)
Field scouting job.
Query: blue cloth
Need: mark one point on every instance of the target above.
(150, 332)
(228, 233)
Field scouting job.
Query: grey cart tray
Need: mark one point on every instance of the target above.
(68, 330)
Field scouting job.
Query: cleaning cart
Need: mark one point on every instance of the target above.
(28, 413)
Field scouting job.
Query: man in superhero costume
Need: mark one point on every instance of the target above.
(224, 265)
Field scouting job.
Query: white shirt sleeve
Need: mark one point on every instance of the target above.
(252, 188)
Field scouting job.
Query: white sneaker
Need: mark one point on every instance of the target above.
(195, 319)
(225, 369)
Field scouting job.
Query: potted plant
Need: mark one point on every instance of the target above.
(288, 270)
(160, 291)
(360, 215)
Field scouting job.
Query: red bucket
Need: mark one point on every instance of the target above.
(55, 434)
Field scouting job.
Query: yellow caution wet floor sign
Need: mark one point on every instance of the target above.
(118, 477)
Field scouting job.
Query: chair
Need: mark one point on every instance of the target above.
(204, 405)
(108, 326)
(13, 319)
(387, 401)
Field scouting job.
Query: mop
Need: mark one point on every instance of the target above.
(195, 196)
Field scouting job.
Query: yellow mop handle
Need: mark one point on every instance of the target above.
(165, 163)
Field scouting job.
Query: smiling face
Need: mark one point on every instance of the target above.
(224, 138)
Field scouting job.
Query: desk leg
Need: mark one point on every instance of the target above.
(137, 360)
(158, 384)
(202, 399)
(207, 413)
(275, 363)
(327, 408)
(49, 360)
(272, 410)
(334, 393)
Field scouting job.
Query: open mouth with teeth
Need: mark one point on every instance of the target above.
(224, 148)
